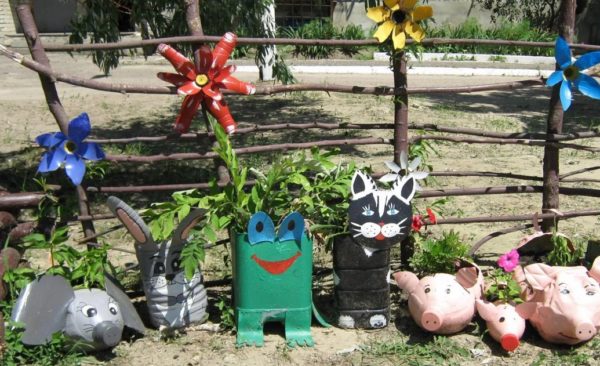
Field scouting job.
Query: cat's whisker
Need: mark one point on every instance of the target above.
(355, 235)
(402, 221)
(355, 224)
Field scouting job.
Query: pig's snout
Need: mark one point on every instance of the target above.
(585, 331)
(431, 320)
(509, 342)
(107, 333)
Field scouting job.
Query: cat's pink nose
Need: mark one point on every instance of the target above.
(382, 224)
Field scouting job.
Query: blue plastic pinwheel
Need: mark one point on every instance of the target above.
(69, 151)
(571, 74)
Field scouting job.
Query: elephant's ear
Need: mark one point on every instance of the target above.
(130, 315)
(42, 308)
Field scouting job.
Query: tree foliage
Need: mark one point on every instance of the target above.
(162, 18)
(541, 14)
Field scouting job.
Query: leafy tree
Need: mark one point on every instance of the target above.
(163, 18)
(541, 14)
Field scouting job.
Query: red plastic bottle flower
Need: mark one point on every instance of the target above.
(417, 222)
(203, 81)
(509, 261)
(431, 216)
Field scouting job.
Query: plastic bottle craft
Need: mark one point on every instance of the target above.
(442, 303)
(505, 322)
(361, 260)
(565, 301)
(92, 318)
(173, 301)
(272, 280)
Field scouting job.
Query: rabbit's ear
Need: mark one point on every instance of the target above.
(132, 221)
(42, 307)
(182, 232)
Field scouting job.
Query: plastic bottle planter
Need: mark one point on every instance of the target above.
(272, 280)
(505, 322)
(361, 260)
(564, 301)
(92, 318)
(442, 303)
(9, 259)
(173, 300)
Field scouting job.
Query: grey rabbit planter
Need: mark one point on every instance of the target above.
(173, 300)
(93, 319)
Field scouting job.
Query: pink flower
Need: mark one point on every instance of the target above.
(509, 261)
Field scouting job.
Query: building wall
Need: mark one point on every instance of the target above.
(444, 12)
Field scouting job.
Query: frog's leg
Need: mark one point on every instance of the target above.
(297, 327)
(249, 328)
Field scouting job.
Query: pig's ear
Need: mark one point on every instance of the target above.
(407, 281)
(595, 270)
(539, 275)
(526, 309)
(467, 276)
(486, 310)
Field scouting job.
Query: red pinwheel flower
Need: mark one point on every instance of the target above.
(202, 81)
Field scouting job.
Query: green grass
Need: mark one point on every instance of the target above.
(438, 351)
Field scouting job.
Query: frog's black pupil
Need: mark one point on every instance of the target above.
(398, 16)
(291, 225)
(260, 226)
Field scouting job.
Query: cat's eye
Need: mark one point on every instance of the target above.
(113, 308)
(175, 264)
(392, 211)
(89, 311)
(367, 211)
(159, 269)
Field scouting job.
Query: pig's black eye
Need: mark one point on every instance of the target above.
(427, 290)
(447, 290)
(501, 319)
(565, 291)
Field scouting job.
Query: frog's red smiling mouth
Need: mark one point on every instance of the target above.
(276, 267)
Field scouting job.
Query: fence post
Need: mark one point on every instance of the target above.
(38, 54)
(407, 247)
(550, 196)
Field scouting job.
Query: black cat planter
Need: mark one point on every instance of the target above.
(361, 260)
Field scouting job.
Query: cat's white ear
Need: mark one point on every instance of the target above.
(405, 187)
(132, 221)
(182, 232)
(362, 185)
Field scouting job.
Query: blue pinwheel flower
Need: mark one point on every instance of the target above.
(570, 74)
(69, 151)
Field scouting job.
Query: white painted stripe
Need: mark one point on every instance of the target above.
(371, 70)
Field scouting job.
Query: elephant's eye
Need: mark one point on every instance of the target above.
(89, 311)
(113, 309)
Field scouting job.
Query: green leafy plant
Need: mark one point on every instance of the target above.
(502, 287)
(562, 254)
(85, 267)
(308, 183)
(227, 314)
(439, 255)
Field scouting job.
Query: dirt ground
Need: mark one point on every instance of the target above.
(25, 115)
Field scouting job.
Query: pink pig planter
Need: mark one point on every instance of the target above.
(566, 299)
(442, 303)
(505, 322)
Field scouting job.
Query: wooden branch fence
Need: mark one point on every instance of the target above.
(552, 140)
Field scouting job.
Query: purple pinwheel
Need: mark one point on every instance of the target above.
(571, 75)
(69, 151)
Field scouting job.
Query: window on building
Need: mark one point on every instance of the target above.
(297, 12)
